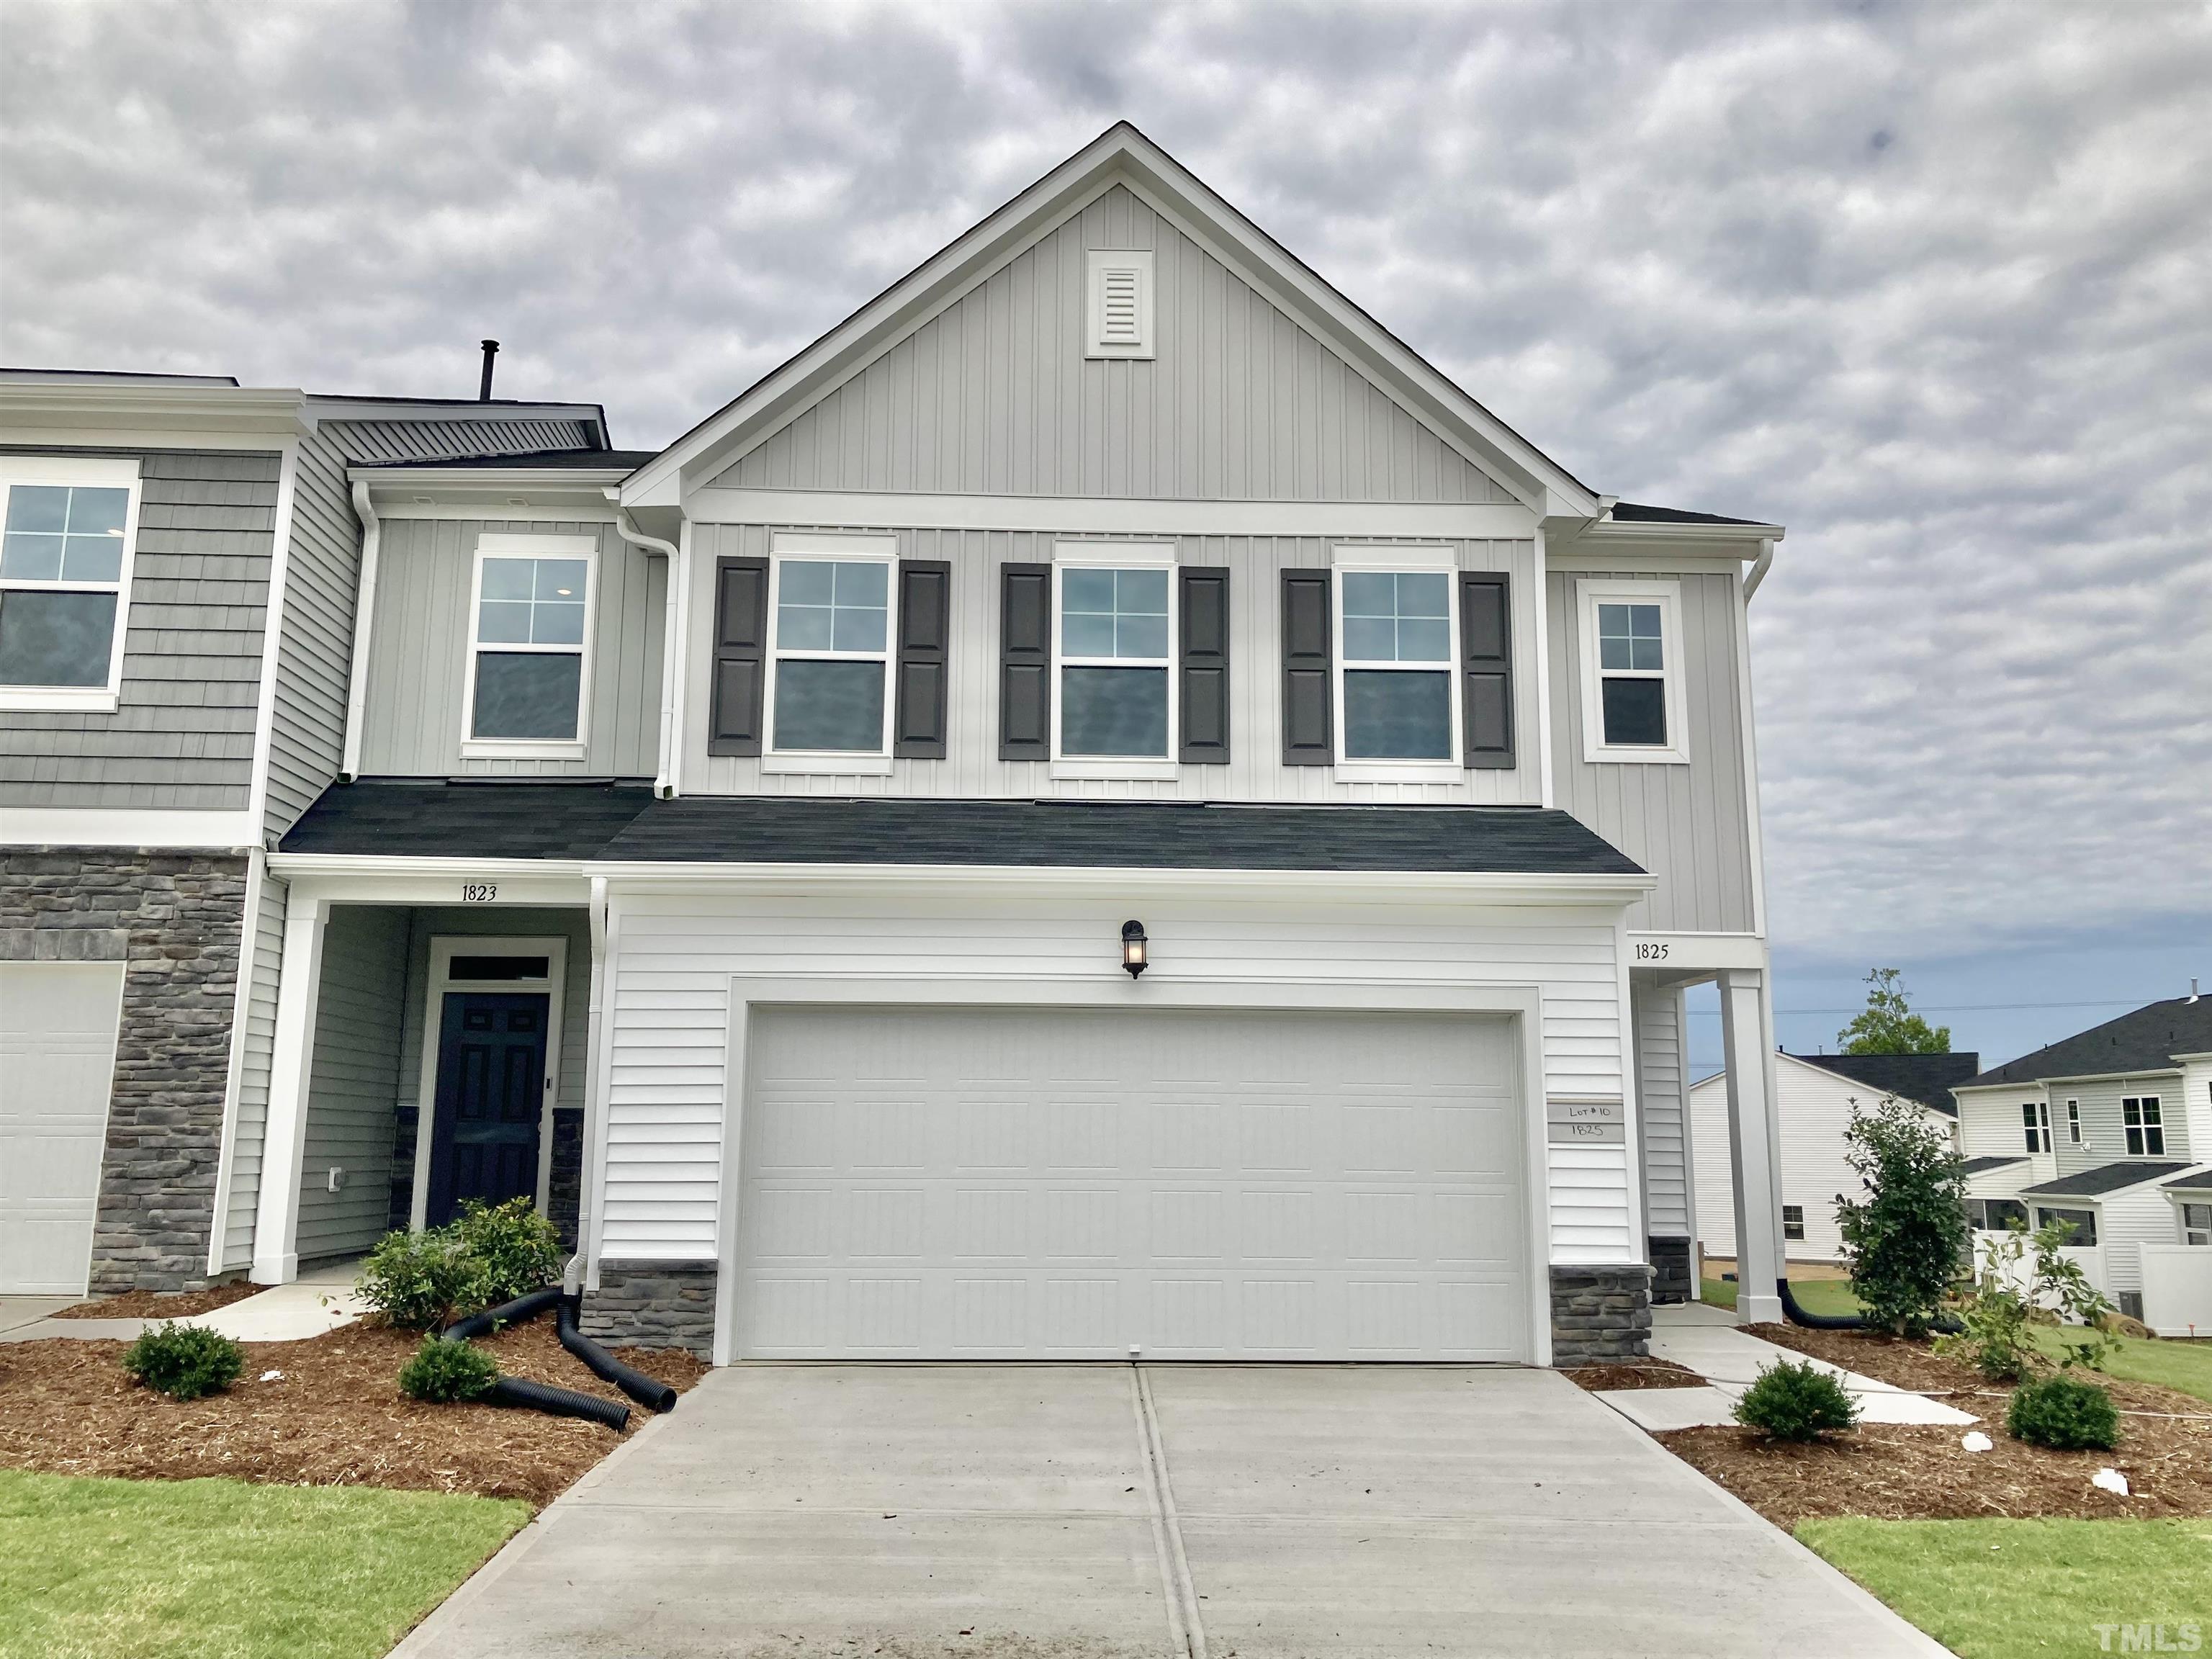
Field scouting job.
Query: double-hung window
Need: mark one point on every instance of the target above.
(2144, 1122)
(829, 702)
(528, 659)
(2074, 1122)
(2035, 1117)
(1397, 706)
(1793, 1222)
(71, 524)
(2196, 1223)
(1634, 706)
(1114, 628)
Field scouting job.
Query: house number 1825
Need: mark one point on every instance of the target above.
(479, 892)
(1651, 953)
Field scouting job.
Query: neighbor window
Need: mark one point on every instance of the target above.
(1396, 680)
(2083, 1222)
(1114, 625)
(2145, 1127)
(2074, 1122)
(1793, 1221)
(2196, 1223)
(1632, 687)
(2035, 1116)
(1996, 1215)
(832, 642)
(527, 670)
(64, 579)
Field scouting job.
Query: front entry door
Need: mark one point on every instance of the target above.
(491, 1095)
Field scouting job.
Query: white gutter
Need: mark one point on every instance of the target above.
(672, 610)
(1760, 567)
(364, 611)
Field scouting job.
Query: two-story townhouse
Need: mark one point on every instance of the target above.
(1104, 807)
(2110, 1130)
(177, 583)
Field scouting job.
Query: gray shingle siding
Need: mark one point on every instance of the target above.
(181, 736)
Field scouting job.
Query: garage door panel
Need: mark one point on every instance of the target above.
(57, 1032)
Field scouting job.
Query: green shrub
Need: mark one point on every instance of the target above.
(184, 1361)
(1904, 1239)
(516, 1247)
(443, 1372)
(1997, 1317)
(1795, 1402)
(2064, 1415)
(419, 1280)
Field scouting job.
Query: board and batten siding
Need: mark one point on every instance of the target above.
(353, 1082)
(993, 395)
(972, 769)
(1688, 825)
(413, 715)
(181, 734)
(1661, 1083)
(675, 958)
(249, 1131)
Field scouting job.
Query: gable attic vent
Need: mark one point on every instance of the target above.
(1120, 305)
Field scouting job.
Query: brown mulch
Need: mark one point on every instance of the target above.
(336, 1417)
(1633, 1374)
(1900, 1472)
(161, 1304)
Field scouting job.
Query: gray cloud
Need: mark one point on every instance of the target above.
(1928, 284)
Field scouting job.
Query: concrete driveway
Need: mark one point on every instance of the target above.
(1031, 1512)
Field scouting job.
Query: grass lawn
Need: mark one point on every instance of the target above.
(222, 1570)
(1819, 1295)
(2183, 1366)
(2012, 1589)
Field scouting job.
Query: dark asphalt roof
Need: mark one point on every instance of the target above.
(1638, 512)
(2199, 1182)
(627, 460)
(1974, 1166)
(1926, 1079)
(2106, 1178)
(2144, 1041)
(422, 818)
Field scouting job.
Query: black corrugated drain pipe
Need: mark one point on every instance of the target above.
(1797, 1315)
(649, 1392)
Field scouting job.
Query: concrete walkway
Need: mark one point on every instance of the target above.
(1049, 1511)
(320, 1299)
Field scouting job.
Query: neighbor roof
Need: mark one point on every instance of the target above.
(2144, 1041)
(2106, 1178)
(1638, 512)
(1925, 1079)
(420, 818)
(1974, 1166)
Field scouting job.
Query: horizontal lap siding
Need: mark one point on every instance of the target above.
(248, 1137)
(413, 714)
(671, 973)
(351, 1093)
(181, 736)
(972, 769)
(431, 440)
(994, 395)
(2104, 1131)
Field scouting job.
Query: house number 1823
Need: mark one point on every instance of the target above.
(1651, 953)
(479, 892)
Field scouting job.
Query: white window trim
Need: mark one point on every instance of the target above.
(1115, 556)
(503, 546)
(2039, 1131)
(2143, 1125)
(2074, 1123)
(2183, 1231)
(1096, 263)
(848, 549)
(1416, 558)
(1590, 592)
(444, 947)
(95, 472)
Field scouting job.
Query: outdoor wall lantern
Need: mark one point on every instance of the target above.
(1133, 947)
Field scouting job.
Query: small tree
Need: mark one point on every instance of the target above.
(2009, 1298)
(1903, 1241)
(1887, 1024)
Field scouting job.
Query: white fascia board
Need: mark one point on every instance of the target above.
(172, 412)
(2150, 1074)
(108, 826)
(1108, 516)
(486, 479)
(1612, 530)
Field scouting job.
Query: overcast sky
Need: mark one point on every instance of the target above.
(1930, 285)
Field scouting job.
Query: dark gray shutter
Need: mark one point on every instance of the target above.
(1308, 699)
(1025, 662)
(740, 656)
(1485, 630)
(925, 621)
(1203, 662)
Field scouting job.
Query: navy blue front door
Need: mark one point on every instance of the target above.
(491, 1091)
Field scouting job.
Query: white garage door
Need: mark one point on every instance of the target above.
(58, 1023)
(1052, 1183)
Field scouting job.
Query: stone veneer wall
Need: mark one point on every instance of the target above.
(174, 919)
(653, 1304)
(564, 1189)
(1672, 1278)
(1600, 1313)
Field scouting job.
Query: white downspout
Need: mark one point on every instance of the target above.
(582, 1273)
(671, 633)
(364, 611)
(1760, 566)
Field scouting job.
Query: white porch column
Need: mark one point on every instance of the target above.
(1754, 1147)
(276, 1212)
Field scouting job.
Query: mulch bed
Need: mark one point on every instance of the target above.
(336, 1417)
(1898, 1472)
(161, 1304)
(1633, 1374)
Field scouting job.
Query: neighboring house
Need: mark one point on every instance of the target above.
(1816, 1093)
(1106, 805)
(2111, 1131)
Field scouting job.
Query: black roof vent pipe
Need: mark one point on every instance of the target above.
(484, 391)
